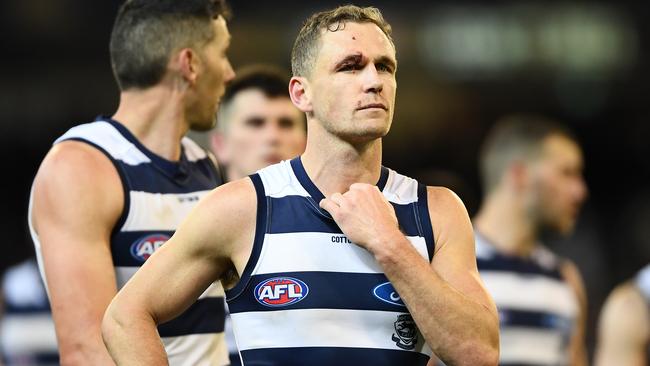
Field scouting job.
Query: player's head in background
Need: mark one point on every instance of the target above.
(176, 48)
(535, 165)
(257, 123)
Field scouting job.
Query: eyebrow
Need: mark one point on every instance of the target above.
(356, 58)
(359, 58)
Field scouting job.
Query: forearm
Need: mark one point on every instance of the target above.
(132, 338)
(460, 330)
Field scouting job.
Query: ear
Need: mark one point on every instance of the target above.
(188, 63)
(300, 94)
(219, 147)
(518, 175)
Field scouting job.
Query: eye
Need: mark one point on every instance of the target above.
(350, 67)
(255, 122)
(384, 67)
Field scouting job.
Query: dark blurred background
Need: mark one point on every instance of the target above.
(461, 65)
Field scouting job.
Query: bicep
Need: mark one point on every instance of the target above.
(73, 219)
(455, 259)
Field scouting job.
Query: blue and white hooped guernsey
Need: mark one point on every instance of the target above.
(308, 295)
(537, 307)
(158, 195)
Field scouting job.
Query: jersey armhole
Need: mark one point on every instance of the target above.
(123, 179)
(260, 230)
(425, 219)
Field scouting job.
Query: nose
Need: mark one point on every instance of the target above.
(580, 189)
(372, 82)
(229, 73)
(272, 132)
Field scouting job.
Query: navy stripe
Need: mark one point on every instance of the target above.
(533, 319)
(123, 246)
(34, 358)
(326, 290)
(519, 266)
(147, 177)
(305, 217)
(31, 309)
(206, 315)
(328, 356)
(261, 226)
(425, 219)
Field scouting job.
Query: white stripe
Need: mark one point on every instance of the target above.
(297, 252)
(400, 189)
(123, 274)
(196, 350)
(28, 333)
(108, 138)
(318, 328)
(530, 292)
(279, 181)
(159, 211)
(193, 151)
(534, 346)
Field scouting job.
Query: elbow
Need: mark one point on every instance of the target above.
(111, 324)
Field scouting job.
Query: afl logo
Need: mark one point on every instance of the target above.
(280, 291)
(145, 247)
(385, 292)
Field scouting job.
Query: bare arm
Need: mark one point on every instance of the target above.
(623, 329)
(221, 227)
(577, 348)
(445, 297)
(77, 199)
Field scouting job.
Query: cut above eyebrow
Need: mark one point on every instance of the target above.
(356, 58)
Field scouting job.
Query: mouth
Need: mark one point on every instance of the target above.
(373, 106)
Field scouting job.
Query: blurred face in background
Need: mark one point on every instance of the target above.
(556, 189)
(258, 131)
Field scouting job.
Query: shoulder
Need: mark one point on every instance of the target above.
(449, 218)
(73, 175)
(626, 310)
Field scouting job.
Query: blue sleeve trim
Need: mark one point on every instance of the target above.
(261, 226)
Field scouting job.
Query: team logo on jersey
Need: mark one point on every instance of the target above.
(146, 246)
(385, 292)
(406, 332)
(280, 291)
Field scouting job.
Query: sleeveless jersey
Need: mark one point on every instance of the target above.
(537, 307)
(308, 295)
(27, 334)
(158, 195)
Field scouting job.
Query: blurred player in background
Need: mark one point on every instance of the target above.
(111, 192)
(624, 324)
(531, 170)
(27, 336)
(257, 123)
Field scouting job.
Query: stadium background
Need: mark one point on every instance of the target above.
(461, 65)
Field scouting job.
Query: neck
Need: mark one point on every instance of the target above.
(155, 116)
(502, 219)
(333, 165)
